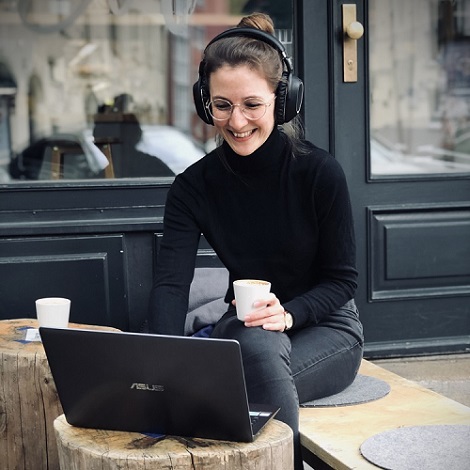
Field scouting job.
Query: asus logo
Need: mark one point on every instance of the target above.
(149, 387)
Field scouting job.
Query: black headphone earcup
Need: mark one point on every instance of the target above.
(289, 97)
(295, 97)
(281, 97)
(200, 99)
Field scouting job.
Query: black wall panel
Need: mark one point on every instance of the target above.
(90, 270)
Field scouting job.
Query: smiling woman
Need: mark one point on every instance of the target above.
(274, 208)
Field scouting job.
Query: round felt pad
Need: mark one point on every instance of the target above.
(434, 447)
(363, 389)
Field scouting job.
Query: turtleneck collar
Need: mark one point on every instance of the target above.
(267, 156)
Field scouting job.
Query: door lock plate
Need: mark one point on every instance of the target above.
(352, 31)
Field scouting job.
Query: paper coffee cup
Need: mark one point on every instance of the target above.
(53, 312)
(247, 292)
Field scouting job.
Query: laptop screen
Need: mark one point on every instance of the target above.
(160, 384)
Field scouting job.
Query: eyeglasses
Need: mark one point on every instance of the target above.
(252, 109)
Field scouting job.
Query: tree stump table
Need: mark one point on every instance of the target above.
(84, 449)
(28, 400)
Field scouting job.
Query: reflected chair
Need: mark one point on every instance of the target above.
(60, 148)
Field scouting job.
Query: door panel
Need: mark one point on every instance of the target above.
(411, 255)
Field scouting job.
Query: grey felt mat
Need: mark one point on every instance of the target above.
(436, 447)
(363, 389)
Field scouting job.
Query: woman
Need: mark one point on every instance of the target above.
(272, 207)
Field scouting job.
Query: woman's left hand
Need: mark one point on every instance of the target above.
(271, 317)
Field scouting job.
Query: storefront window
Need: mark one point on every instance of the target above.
(101, 89)
(420, 86)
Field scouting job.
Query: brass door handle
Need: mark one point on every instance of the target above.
(352, 31)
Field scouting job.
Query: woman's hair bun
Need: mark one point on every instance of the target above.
(258, 21)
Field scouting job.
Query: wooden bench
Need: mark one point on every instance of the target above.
(331, 436)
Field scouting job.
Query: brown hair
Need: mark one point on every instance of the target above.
(242, 50)
(257, 21)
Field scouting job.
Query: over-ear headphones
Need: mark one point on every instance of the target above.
(289, 93)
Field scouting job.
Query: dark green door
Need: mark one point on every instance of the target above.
(402, 135)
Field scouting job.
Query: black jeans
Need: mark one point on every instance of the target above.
(302, 365)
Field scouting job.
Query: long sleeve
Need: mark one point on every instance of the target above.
(336, 274)
(175, 266)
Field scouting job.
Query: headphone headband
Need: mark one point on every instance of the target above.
(260, 36)
(289, 93)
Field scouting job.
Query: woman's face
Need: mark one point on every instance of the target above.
(239, 85)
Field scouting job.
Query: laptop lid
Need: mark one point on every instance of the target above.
(170, 385)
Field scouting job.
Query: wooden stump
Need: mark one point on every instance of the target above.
(85, 449)
(28, 400)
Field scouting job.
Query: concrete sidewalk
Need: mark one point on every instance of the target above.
(448, 375)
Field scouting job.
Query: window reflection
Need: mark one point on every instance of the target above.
(98, 89)
(420, 86)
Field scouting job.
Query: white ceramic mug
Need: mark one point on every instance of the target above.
(53, 312)
(248, 291)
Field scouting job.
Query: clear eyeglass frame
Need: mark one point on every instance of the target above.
(221, 109)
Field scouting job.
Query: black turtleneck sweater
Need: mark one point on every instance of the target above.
(269, 215)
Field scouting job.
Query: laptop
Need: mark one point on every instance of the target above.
(158, 384)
